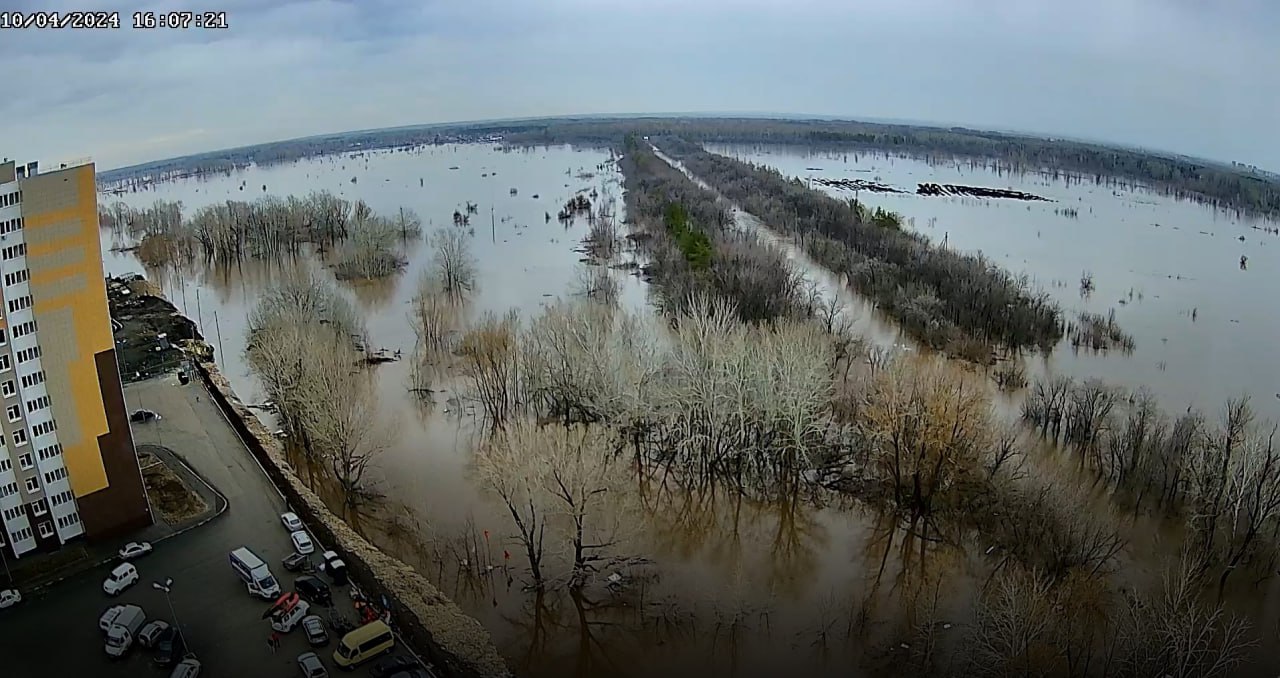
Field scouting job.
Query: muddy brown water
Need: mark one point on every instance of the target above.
(730, 587)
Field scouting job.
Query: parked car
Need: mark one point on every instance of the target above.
(170, 648)
(109, 617)
(135, 549)
(121, 578)
(311, 666)
(317, 635)
(143, 416)
(313, 589)
(151, 632)
(291, 521)
(302, 543)
(389, 666)
(334, 567)
(9, 598)
(187, 668)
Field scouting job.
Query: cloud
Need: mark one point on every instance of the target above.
(1173, 74)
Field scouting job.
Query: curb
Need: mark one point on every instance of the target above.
(220, 508)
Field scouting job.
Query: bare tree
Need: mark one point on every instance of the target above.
(504, 463)
(452, 263)
(490, 362)
(369, 250)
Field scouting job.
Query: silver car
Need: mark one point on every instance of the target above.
(311, 666)
(187, 668)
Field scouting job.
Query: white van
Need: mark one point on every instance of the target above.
(255, 573)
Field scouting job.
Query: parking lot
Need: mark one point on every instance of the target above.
(56, 633)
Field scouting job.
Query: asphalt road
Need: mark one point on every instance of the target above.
(56, 633)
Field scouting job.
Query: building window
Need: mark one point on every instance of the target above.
(19, 438)
(8, 389)
(5, 464)
(22, 535)
(39, 403)
(24, 328)
(15, 251)
(46, 529)
(28, 354)
(14, 412)
(3, 337)
(49, 452)
(7, 227)
(55, 475)
(32, 379)
(12, 514)
(44, 427)
(39, 507)
(68, 520)
(25, 461)
(22, 303)
(33, 484)
(8, 490)
(16, 277)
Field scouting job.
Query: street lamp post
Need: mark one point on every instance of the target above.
(166, 587)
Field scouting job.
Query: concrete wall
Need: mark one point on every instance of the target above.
(432, 623)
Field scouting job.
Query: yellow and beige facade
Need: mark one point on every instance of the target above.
(68, 467)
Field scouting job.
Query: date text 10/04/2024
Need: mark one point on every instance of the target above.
(111, 20)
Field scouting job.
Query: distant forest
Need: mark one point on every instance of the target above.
(1229, 187)
(1225, 186)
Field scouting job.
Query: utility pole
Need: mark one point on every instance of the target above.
(5, 560)
(219, 330)
(166, 586)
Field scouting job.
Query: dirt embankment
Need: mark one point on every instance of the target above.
(455, 642)
(149, 331)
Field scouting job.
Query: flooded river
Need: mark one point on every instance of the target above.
(729, 587)
(1204, 327)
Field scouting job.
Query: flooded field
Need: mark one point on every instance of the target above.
(711, 583)
(1202, 321)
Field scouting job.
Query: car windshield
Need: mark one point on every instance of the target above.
(345, 651)
(115, 639)
(267, 583)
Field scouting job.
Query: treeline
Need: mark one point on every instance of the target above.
(269, 227)
(949, 300)
(695, 248)
(1223, 476)
(1222, 185)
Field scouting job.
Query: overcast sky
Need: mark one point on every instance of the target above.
(1198, 77)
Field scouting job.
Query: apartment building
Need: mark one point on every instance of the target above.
(68, 467)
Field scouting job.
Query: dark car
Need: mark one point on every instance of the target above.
(313, 626)
(143, 416)
(170, 647)
(390, 666)
(314, 590)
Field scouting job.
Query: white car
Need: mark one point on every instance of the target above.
(302, 543)
(152, 631)
(291, 521)
(135, 549)
(109, 617)
(121, 578)
(187, 668)
(9, 598)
